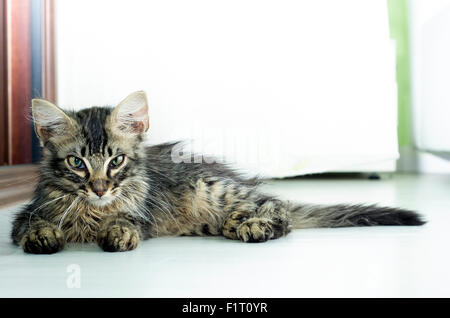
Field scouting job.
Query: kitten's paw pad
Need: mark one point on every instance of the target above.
(118, 238)
(44, 240)
(231, 224)
(255, 230)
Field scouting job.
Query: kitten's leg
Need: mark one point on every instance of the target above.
(268, 219)
(37, 236)
(119, 233)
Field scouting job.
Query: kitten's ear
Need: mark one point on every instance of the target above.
(49, 119)
(131, 115)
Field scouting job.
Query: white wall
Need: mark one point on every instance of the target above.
(430, 50)
(430, 78)
(280, 87)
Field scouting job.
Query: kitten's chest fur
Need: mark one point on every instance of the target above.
(80, 222)
(195, 208)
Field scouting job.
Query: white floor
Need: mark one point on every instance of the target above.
(350, 262)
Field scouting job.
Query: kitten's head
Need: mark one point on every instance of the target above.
(94, 153)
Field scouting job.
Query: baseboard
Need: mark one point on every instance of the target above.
(417, 161)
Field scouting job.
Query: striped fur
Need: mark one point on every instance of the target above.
(150, 195)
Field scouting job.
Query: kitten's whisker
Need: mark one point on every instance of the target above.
(161, 205)
(137, 211)
(42, 206)
(139, 206)
(67, 211)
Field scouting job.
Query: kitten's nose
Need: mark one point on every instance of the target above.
(99, 187)
(99, 193)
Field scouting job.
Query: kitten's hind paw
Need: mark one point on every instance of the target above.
(43, 240)
(255, 230)
(117, 238)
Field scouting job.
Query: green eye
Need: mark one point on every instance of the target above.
(117, 161)
(76, 162)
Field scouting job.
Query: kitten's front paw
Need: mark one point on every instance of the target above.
(43, 240)
(255, 230)
(117, 238)
(232, 223)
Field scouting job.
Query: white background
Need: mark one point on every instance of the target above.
(279, 87)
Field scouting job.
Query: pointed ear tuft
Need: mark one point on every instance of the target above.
(131, 115)
(49, 119)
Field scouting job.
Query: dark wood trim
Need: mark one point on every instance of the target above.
(3, 88)
(15, 69)
(48, 70)
(19, 80)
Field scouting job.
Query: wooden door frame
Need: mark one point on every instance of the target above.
(18, 71)
(48, 52)
(15, 67)
(4, 158)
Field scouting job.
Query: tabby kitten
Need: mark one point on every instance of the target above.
(99, 182)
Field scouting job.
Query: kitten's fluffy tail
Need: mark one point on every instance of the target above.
(346, 215)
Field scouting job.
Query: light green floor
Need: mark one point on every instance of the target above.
(350, 262)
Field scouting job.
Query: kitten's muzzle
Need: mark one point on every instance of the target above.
(99, 187)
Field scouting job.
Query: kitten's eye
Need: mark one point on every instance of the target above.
(117, 161)
(76, 162)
